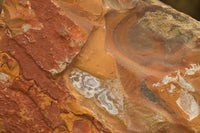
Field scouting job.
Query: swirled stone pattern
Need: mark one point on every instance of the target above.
(104, 91)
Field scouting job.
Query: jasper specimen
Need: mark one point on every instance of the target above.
(98, 66)
(50, 38)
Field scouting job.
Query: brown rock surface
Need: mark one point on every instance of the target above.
(136, 67)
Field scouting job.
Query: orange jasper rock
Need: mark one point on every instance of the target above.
(98, 66)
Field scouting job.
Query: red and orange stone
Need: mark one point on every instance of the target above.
(51, 39)
(142, 45)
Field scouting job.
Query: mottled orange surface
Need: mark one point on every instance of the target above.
(97, 66)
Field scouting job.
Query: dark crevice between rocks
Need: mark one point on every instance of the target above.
(190, 7)
(97, 124)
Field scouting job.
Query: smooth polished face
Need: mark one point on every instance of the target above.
(151, 37)
(120, 4)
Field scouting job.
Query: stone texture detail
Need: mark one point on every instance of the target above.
(98, 66)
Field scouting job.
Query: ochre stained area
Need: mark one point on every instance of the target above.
(94, 58)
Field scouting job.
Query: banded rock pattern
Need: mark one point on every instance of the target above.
(98, 66)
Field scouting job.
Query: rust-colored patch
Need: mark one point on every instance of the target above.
(81, 126)
(55, 44)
